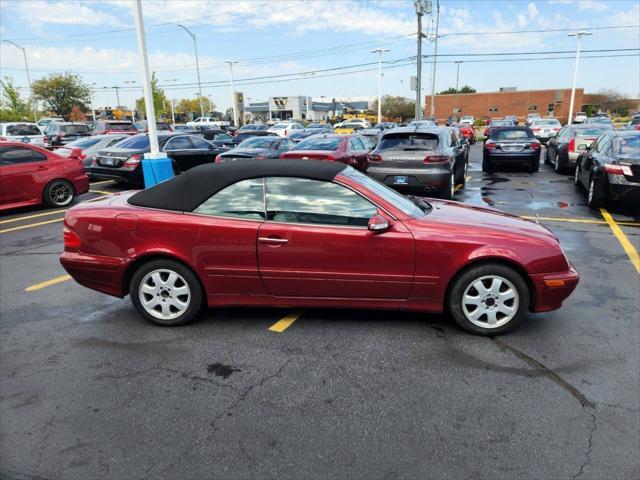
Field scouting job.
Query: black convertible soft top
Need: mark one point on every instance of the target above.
(187, 191)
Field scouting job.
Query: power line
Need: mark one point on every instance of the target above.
(548, 30)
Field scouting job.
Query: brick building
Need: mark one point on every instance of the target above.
(508, 102)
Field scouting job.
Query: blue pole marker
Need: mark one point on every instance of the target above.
(156, 168)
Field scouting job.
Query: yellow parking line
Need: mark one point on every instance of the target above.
(31, 225)
(48, 283)
(101, 182)
(459, 186)
(101, 191)
(622, 238)
(284, 323)
(28, 217)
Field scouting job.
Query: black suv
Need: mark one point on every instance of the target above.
(122, 162)
(61, 133)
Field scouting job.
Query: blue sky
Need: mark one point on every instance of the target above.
(95, 39)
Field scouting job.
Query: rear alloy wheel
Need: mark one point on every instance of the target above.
(556, 164)
(576, 177)
(166, 292)
(489, 299)
(58, 193)
(592, 196)
(450, 189)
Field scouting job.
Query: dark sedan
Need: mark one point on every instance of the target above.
(610, 168)
(123, 161)
(257, 148)
(240, 137)
(429, 160)
(511, 146)
(563, 149)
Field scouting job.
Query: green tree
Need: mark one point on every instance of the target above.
(192, 105)
(467, 89)
(161, 103)
(395, 107)
(448, 91)
(60, 92)
(452, 90)
(12, 107)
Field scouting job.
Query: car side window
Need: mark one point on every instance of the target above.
(178, 143)
(199, 143)
(286, 144)
(300, 200)
(599, 147)
(355, 144)
(18, 155)
(244, 199)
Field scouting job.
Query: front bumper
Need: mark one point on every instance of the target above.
(551, 289)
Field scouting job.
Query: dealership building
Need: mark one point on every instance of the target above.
(295, 107)
(509, 101)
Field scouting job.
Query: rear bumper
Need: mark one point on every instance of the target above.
(628, 192)
(553, 288)
(131, 176)
(81, 184)
(512, 158)
(425, 180)
(104, 274)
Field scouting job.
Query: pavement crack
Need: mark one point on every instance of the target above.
(587, 453)
(547, 372)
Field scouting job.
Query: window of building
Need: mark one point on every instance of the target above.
(457, 110)
(532, 108)
(550, 108)
(493, 109)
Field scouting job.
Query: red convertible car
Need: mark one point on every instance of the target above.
(306, 233)
(31, 175)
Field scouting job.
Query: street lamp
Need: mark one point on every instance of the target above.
(233, 95)
(93, 110)
(457, 62)
(173, 115)
(195, 47)
(26, 67)
(380, 51)
(133, 113)
(306, 92)
(579, 34)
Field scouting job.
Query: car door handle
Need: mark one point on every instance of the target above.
(42, 167)
(273, 240)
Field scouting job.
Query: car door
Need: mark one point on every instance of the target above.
(358, 153)
(315, 243)
(225, 253)
(203, 152)
(181, 151)
(23, 174)
(590, 159)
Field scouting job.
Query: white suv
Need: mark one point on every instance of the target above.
(21, 132)
(580, 117)
(283, 129)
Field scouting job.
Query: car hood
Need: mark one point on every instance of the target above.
(486, 219)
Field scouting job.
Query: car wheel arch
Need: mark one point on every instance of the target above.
(475, 262)
(149, 257)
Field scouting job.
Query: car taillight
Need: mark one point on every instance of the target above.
(260, 157)
(613, 169)
(534, 145)
(132, 161)
(3, 139)
(218, 159)
(70, 238)
(436, 159)
(375, 158)
(489, 145)
(572, 145)
(487, 131)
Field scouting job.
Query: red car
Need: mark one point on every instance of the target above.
(467, 131)
(348, 149)
(311, 234)
(31, 175)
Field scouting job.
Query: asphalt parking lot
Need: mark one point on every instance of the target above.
(91, 390)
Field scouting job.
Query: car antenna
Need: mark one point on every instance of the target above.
(537, 218)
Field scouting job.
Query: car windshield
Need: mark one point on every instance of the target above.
(258, 142)
(412, 208)
(554, 123)
(281, 126)
(138, 142)
(23, 129)
(627, 146)
(422, 123)
(124, 126)
(509, 134)
(590, 132)
(74, 128)
(409, 141)
(83, 142)
(321, 143)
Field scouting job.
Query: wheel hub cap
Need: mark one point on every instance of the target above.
(490, 302)
(164, 294)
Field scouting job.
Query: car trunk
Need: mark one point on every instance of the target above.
(310, 154)
(407, 150)
(114, 158)
(630, 164)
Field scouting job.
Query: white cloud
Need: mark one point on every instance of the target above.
(592, 6)
(533, 11)
(61, 13)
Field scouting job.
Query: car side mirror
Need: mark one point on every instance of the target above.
(378, 223)
(583, 146)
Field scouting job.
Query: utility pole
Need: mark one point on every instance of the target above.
(380, 51)
(420, 10)
(26, 67)
(233, 95)
(435, 58)
(579, 34)
(93, 110)
(458, 62)
(306, 93)
(195, 47)
(117, 97)
(173, 115)
(133, 108)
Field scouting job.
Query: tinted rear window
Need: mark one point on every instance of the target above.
(409, 141)
(589, 132)
(511, 134)
(23, 129)
(125, 126)
(627, 146)
(83, 142)
(135, 143)
(74, 128)
(546, 122)
(258, 142)
(319, 144)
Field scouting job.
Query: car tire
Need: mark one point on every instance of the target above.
(487, 166)
(58, 193)
(556, 164)
(488, 299)
(463, 180)
(576, 178)
(593, 198)
(166, 293)
(546, 156)
(449, 189)
(534, 166)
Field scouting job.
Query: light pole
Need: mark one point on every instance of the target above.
(380, 51)
(26, 67)
(457, 62)
(579, 34)
(195, 47)
(432, 110)
(233, 94)
(93, 110)
(306, 92)
(421, 7)
(133, 113)
(173, 115)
